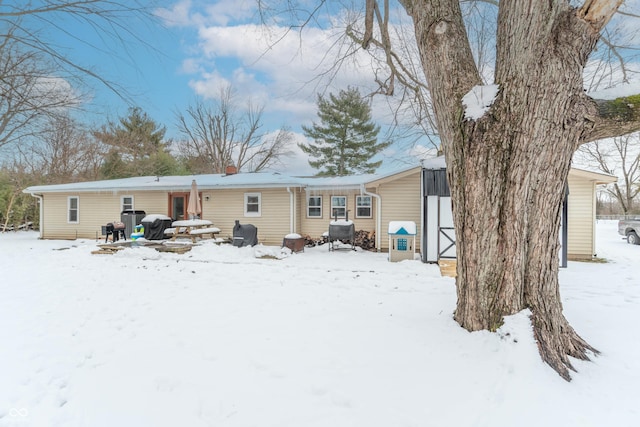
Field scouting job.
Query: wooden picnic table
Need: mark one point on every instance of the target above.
(193, 228)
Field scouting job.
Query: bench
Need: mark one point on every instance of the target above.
(210, 230)
(191, 233)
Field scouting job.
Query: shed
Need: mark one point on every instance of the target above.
(402, 240)
(577, 234)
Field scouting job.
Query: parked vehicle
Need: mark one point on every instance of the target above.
(630, 228)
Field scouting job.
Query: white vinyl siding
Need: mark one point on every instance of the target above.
(401, 202)
(98, 209)
(580, 226)
(273, 223)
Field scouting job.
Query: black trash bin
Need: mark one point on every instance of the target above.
(154, 226)
(131, 218)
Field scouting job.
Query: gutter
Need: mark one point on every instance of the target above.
(170, 188)
(378, 214)
(40, 213)
(423, 252)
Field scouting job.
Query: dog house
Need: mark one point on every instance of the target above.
(402, 240)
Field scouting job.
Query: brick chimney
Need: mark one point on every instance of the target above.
(231, 170)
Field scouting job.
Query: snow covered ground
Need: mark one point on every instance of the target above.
(218, 337)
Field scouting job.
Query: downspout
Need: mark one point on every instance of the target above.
(565, 228)
(423, 253)
(292, 216)
(378, 214)
(40, 213)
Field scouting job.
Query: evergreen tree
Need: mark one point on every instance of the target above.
(136, 147)
(346, 139)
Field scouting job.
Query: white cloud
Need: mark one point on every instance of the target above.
(297, 162)
(280, 68)
(209, 84)
(186, 13)
(423, 152)
(222, 12)
(180, 15)
(283, 66)
(191, 66)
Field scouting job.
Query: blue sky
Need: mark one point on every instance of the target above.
(206, 45)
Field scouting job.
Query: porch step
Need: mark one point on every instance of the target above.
(447, 267)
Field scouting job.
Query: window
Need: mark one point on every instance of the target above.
(338, 206)
(252, 204)
(402, 244)
(73, 204)
(314, 207)
(127, 203)
(363, 206)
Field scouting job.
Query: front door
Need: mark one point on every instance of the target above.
(178, 206)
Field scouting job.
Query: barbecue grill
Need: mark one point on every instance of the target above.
(245, 235)
(115, 229)
(343, 231)
(155, 225)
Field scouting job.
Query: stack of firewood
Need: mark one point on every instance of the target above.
(309, 242)
(364, 239)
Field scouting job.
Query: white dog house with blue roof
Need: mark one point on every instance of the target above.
(402, 240)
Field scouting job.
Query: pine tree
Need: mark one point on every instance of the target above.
(137, 147)
(346, 139)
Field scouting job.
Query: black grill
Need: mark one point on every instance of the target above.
(343, 231)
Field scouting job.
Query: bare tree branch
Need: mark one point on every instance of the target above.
(217, 136)
(615, 117)
(110, 20)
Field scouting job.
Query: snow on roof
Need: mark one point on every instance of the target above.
(402, 227)
(210, 182)
(153, 217)
(173, 183)
(434, 163)
(597, 177)
(341, 222)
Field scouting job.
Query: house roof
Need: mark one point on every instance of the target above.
(211, 182)
(259, 180)
(434, 163)
(402, 227)
(597, 177)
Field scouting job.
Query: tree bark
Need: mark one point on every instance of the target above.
(508, 170)
(8, 213)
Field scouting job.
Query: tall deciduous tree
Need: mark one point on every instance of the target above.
(508, 168)
(31, 95)
(218, 135)
(65, 152)
(345, 140)
(16, 208)
(115, 23)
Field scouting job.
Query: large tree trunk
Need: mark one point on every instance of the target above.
(508, 169)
